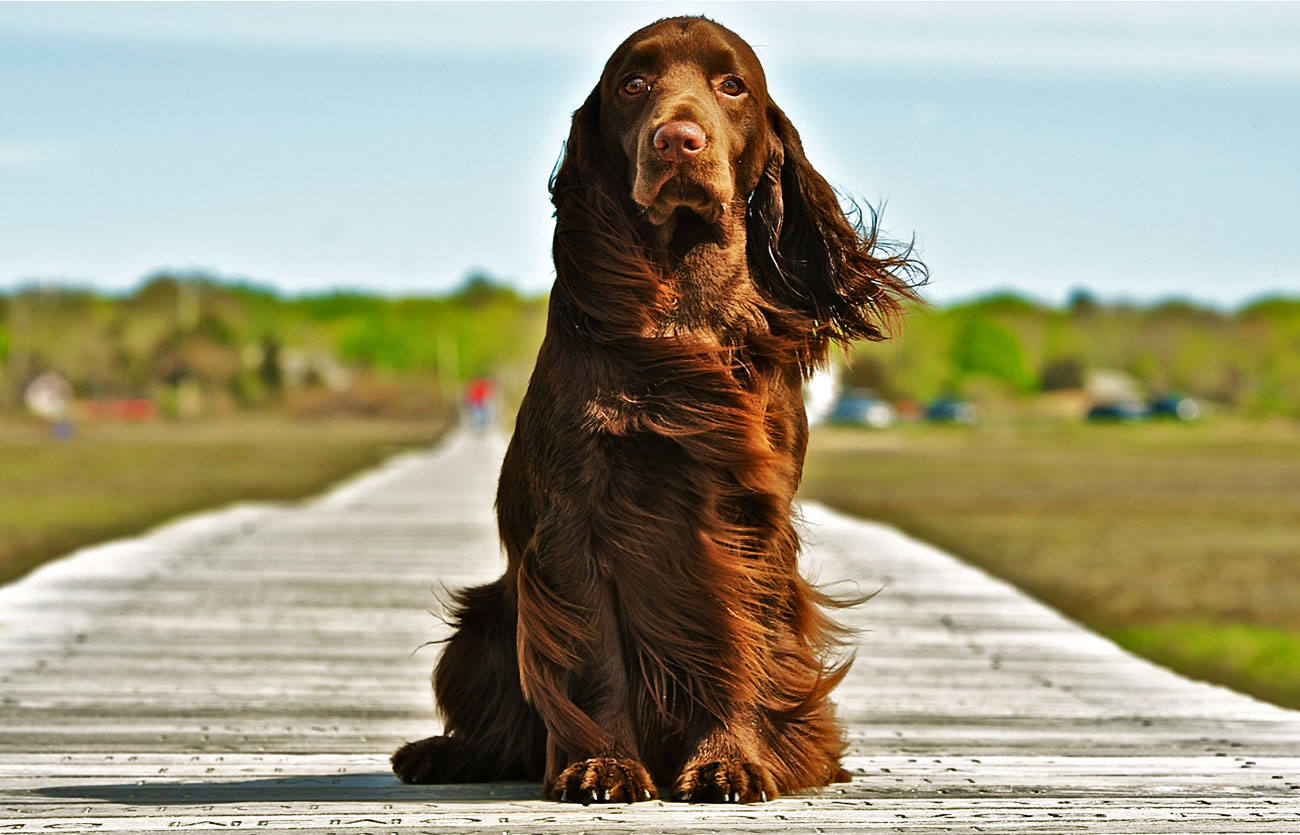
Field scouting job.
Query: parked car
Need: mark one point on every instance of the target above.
(1119, 412)
(952, 410)
(863, 408)
(1176, 407)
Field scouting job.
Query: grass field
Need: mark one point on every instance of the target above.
(1182, 542)
(111, 481)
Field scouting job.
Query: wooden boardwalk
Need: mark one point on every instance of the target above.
(252, 668)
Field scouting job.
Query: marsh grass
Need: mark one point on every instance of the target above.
(109, 481)
(1181, 542)
(1264, 661)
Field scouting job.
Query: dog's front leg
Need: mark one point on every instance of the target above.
(572, 670)
(728, 766)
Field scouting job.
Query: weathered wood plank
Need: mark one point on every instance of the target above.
(251, 668)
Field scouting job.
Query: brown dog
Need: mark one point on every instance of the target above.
(652, 626)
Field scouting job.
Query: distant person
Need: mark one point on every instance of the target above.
(478, 399)
(50, 398)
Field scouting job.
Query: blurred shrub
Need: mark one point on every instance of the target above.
(984, 347)
(989, 348)
(869, 372)
(192, 342)
(1062, 373)
(369, 396)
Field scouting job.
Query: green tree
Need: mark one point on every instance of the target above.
(984, 346)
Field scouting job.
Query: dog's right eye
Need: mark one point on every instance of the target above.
(635, 86)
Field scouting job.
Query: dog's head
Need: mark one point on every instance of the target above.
(684, 113)
(679, 146)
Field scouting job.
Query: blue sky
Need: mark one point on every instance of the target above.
(1142, 151)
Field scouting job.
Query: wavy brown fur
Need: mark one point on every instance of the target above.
(652, 627)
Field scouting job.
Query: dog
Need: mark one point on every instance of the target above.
(652, 627)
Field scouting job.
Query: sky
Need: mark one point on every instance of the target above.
(1141, 151)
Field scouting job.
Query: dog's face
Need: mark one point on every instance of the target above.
(683, 103)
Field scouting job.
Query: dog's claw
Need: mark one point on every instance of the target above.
(729, 780)
(603, 780)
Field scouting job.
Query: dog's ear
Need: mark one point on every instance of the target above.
(583, 164)
(602, 261)
(816, 259)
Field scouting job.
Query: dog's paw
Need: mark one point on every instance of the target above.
(603, 780)
(432, 760)
(727, 780)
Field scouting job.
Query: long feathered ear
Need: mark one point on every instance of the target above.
(815, 258)
(583, 164)
(602, 260)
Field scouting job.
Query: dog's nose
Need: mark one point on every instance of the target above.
(679, 141)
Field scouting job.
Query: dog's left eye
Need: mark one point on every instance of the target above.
(732, 86)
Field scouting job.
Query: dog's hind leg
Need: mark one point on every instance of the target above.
(491, 733)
